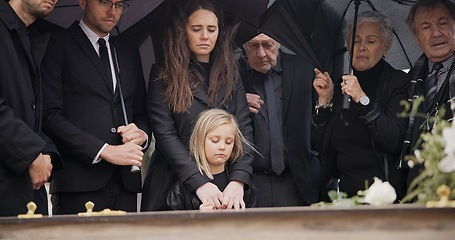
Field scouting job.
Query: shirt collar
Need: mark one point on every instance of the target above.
(92, 36)
(447, 64)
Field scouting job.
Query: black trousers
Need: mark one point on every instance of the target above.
(113, 196)
(17, 194)
(277, 191)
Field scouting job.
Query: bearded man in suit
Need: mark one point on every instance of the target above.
(84, 106)
(27, 157)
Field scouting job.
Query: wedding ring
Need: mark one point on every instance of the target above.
(130, 137)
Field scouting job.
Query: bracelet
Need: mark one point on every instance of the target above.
(324, 105)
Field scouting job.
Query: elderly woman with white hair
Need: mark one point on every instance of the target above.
(364, 141)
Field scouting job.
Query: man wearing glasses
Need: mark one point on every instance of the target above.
(94, 111)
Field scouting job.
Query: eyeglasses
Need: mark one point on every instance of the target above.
(119, 6)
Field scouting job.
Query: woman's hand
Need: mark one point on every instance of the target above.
(233, 196)
(210, 194)
(350, 86)
(323, 85)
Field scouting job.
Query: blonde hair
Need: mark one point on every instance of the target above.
(207, 122)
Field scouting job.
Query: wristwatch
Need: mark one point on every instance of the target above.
(364, 100)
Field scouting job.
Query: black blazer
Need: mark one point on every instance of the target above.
(82, 112)
(21, 138)
(171, 160)
(297, 108)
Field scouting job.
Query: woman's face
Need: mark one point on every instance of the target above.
(202, 30)
(369, 46)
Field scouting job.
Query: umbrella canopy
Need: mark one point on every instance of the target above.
(313, 29)
(68, 11)
(145, 20)
(404, 51)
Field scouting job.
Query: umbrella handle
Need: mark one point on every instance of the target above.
(134, 169)
(346, 98)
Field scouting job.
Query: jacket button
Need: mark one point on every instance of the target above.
(225, 105)
(33, 106)
(113, 130)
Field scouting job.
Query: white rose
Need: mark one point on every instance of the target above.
(380, 193)
(447, 164)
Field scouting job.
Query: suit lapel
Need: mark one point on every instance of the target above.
(87, 47)
(117, 58)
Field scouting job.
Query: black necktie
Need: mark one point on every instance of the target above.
(276, 135)
(431, 84)
(105, 57)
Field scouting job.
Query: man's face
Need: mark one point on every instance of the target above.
(101, 16)
(262, 53)
(38, 8)
(434, 32)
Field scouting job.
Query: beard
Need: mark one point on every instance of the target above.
(34, 8)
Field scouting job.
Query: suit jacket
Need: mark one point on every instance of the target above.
(82, 112)
(419, 72)
(297, 108)
(21, 138)
(171, 160)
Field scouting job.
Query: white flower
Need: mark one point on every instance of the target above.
(449, 137)
(380, 193)
(447, 164)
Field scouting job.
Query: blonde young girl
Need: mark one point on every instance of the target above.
(216, 142)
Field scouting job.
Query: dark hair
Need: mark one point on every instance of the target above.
(428, 5)
(180, 66)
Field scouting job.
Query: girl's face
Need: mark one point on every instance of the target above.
(218, 146)
(202, 31)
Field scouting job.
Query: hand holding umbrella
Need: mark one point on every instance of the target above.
(129, 131)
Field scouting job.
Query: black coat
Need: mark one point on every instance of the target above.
(386, 129)
(297, 92)
(82, 112)
(21, 138)
(171, 160)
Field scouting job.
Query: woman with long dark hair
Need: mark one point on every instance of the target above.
(199, 73)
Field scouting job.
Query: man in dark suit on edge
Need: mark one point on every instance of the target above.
(288, 176)
(26, 156)
(84, 116)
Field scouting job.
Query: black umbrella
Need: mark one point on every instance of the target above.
(313, 29)
(307, 30)
(144, 22)
(404, 51)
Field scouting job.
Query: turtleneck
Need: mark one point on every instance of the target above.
(206, 69)
(369, 79)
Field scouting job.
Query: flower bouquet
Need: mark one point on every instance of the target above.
(437, 154)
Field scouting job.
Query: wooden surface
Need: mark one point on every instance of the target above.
(363, 222)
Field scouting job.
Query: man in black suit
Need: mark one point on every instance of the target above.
(25, 154)
(83, 112)
(295, 182)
